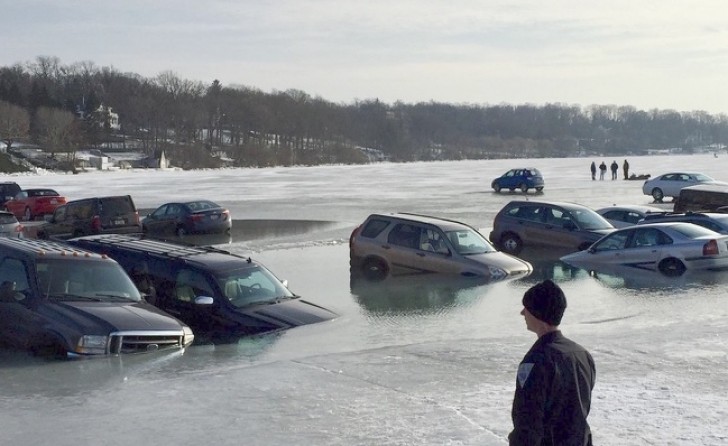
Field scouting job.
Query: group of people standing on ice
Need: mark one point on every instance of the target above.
(614, 168)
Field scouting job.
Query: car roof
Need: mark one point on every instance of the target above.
(443, 223)
(49, 248)
(204, 257)
(630, 207)
(564, 204)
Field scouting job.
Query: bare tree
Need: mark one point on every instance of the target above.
(14, 123)
(57, 131)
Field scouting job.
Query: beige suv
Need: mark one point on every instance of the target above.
(409, 243)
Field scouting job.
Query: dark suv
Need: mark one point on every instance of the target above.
(97, 215)
(219, 294)
(714, 221)
(63, 301)
(569, 226)
(8, 190)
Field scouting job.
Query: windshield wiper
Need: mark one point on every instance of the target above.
(114, 296)
(67, 296)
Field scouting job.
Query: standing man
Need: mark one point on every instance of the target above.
(594, 170)
(602, 170)
(625, 167)
(555, 378)
(614, 167)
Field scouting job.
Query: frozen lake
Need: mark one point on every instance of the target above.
(411, 360)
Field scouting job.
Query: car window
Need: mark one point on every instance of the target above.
(433, 240)
(161, 210)
(374, 227)
(646, 237)
(6, 219)
(80, 211)
(617, 240)
(60, 213)
(405, 235)
(467, 242)
(116, 205)
(252, 285)
(589, 220)
(98, 279)
(190, 284)
(14, 272)
(692, 231)
(21, 195)
(527, 212)
(708, 224)
(556, 217)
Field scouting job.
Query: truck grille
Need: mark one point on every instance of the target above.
(139, 342)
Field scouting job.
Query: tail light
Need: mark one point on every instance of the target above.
(225, 214)
(710, 248)
(19, 228)
(96, 224)
(136, 218)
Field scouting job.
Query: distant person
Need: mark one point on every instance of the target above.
(614, 168)
(625, 167)
(555, 378)
(594, 170)
(602, 170)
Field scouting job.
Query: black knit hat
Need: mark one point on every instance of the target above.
(546, 302)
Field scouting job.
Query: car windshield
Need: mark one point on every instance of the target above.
(589, 220)
(252, 286)
(467, 242)
(85, 279)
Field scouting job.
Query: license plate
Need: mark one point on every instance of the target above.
(54, 201)
(119, 221)
(214, 217)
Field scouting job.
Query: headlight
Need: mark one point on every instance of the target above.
(92, 345)
(189, 336)
(496, 273)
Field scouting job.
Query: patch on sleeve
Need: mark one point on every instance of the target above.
(524, 369)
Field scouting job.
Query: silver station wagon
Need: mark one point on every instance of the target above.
(408, 243)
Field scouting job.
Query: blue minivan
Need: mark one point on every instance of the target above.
(522, 179)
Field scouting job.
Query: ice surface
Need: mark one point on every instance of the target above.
(411, 361)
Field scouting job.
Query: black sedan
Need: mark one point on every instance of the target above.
(199, 216)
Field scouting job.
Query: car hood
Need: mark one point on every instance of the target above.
(102, 317)
(510, 264)
(290, 313)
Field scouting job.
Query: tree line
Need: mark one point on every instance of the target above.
(59, 107)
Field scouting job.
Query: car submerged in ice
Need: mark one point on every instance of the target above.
(221, 295)
(61, 301)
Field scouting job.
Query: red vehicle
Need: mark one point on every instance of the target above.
(30, 203)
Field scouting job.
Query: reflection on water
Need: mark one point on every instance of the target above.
(428, 293)
(631, 278)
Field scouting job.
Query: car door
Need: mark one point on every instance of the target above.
(60, 224)
(434, 253)
(20, 326)
(611, 250)
(186, 286)
(509, 180)
(405, 242)
(556, 228)
(644, 249)
(157, 220)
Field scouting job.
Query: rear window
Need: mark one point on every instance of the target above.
(6, 219)
(42, 193)
(692, 231)
(117, 205)
(374, 227)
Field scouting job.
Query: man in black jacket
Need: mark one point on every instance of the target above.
(555, 378)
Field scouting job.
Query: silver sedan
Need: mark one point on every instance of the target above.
(670, 248)
(670, 184)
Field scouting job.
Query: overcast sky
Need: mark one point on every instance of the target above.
(650, 54)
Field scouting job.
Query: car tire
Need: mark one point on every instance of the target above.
(375, 268)
(657, 194)
(496, 187)
(27, 215)
(523, 187)
(671, 267)
(511, 243)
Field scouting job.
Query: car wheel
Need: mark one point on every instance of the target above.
(671, 267)
(539, 189)
(496, 187)
(375, 269)
(523, 187)
(511, 243)
(28, 216)
(180, 231)
(657, 194)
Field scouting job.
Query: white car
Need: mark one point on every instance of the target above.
(627, 215)
(670, 248)
(9, 225)
(670, 184)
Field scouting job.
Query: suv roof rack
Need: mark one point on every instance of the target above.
(656, 215)
(43, 247)
(158, 247)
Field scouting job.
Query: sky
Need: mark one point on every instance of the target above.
(649, 54)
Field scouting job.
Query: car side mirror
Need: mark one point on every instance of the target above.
(204, 300)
